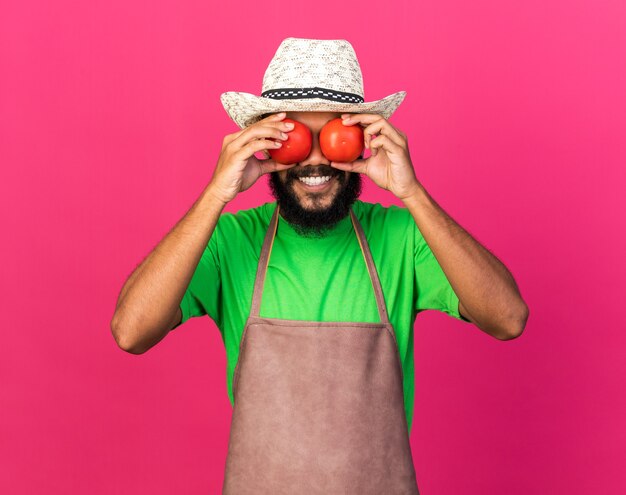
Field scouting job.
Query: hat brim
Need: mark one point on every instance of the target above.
(245, 108)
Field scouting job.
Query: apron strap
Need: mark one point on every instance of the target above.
(267, 249)
(263, 261)
(371, 268)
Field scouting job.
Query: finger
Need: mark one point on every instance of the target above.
(265, 155)
(359, 166)
(363, 118)
(268, 166)
(257, 145)
(375, 124)
(400, 133)
(383, 127)
(274, 117)
(385, 143)
(275, 130)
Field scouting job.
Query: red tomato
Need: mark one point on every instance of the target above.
(341, 143)
(296, 147)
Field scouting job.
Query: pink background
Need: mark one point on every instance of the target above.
(111, 126)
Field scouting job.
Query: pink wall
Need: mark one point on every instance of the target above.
(110, 128)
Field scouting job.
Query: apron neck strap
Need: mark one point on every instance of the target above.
(267, 249)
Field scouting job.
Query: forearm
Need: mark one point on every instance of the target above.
(485, 287)
(150, 298)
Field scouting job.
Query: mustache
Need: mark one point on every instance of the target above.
(321, 170)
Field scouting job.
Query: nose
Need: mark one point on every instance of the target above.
(315, 157)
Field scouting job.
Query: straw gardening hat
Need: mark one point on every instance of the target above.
(309, 75)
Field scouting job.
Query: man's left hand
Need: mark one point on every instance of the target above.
(389, 165)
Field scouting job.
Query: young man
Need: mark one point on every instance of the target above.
(316, 293)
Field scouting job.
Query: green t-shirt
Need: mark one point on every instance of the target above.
(323, 279)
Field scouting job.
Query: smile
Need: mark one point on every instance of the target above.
(315, 183)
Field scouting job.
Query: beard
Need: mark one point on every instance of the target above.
(316, 221)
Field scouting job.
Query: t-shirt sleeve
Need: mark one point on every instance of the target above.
(433, 288)
(203, 294)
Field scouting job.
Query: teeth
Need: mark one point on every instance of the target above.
(314, 181)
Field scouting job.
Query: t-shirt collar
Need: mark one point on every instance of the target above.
(340, 228)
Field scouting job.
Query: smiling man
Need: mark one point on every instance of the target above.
(316, 293)
(310, 207)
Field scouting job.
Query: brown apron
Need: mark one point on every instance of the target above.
(318, 406)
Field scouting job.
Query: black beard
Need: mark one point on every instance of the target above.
(314, 223)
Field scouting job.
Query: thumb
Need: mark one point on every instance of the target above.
(358, 166)
(270, 165)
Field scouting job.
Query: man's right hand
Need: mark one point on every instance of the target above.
(148, 306)
(237, 168)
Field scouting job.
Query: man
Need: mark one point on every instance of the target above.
(316, 294)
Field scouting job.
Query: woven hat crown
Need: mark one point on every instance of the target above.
(305, 63)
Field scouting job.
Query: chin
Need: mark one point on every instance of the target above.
(310, 206)
(315, 210)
